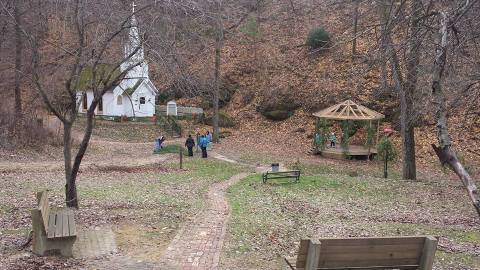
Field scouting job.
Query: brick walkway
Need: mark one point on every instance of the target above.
(95, 242)
(199, 243)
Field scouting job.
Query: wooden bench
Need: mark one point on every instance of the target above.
(53, 229)
(366, 253)
(285, 174)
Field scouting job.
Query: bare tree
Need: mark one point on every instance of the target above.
(18, 59)
(445, 151)
(217, 77)
(355, 26)
(59, 82)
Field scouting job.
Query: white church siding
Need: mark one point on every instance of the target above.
(108, 104)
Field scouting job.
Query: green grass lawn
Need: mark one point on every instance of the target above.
(268, 220)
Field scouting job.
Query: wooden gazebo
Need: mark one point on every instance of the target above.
(349, 110)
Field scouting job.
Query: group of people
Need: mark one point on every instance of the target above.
(204, 141)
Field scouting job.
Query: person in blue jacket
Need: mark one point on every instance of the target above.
(203, 145)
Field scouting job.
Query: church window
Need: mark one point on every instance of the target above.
(142, 100)
(100, 105)
(84, 101)
(119, 100)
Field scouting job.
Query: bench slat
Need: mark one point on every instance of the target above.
(347, 257)
(58, 224)
(403, 267)
(65, 231)
(386, 263)
(71, 224)
(373, 241)
(51, 225)
(372, 248)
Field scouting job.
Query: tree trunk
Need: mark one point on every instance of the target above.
(18, 61)
(383, 46)
(445, 152)
(216, 93)
(70, 186)
(409, 169)
(355, 25)
(407, 110)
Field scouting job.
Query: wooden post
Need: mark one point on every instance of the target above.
(181, 157)
(385, 166)
(196, 142)
(317, 131)
(378, 132)
(428, 254)
(313, 255)
(370, 146)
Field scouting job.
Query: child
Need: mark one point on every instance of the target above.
(333, 140)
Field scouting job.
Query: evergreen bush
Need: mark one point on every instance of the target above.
(385, 148)
(318, 38)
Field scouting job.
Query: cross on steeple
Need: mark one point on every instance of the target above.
(133, 7)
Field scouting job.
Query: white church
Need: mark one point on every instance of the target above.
(135, 95)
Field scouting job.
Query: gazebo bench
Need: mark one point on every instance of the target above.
(53, 228)
(285, 174)
(365, 253)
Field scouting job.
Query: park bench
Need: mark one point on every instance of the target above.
(285, 174)
(365, 253)
(53, 228)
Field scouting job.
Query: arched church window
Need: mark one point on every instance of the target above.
(119, 100)
(142, 100)
(84, 101)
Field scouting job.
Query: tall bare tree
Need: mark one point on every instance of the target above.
(18, 59)
(445, 150)
(60, 62)
(218, 62)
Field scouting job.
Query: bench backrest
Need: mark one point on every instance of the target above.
(368, 253)
(43, 207)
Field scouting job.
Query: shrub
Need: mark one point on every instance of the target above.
(318, 38)
(224, 120)
(30, 132)
(385, 148)
(278, 104)
(277, 115)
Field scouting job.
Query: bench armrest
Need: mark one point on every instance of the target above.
(287, 264)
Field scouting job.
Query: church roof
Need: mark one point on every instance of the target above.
(349, 110)
(102, 72)
(130, 90)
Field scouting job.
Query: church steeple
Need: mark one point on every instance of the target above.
(134, 41)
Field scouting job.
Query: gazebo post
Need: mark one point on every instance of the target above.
(317, 131)
(369, 147)
(378, 132)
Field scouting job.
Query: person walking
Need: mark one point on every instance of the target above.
(190, 143)
(210, 140)
(203, 145)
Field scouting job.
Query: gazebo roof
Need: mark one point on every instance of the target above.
(349, 110)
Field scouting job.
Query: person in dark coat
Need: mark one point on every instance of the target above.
(203, 144)
(190, 143)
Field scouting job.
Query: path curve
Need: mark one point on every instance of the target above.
(199, 243)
